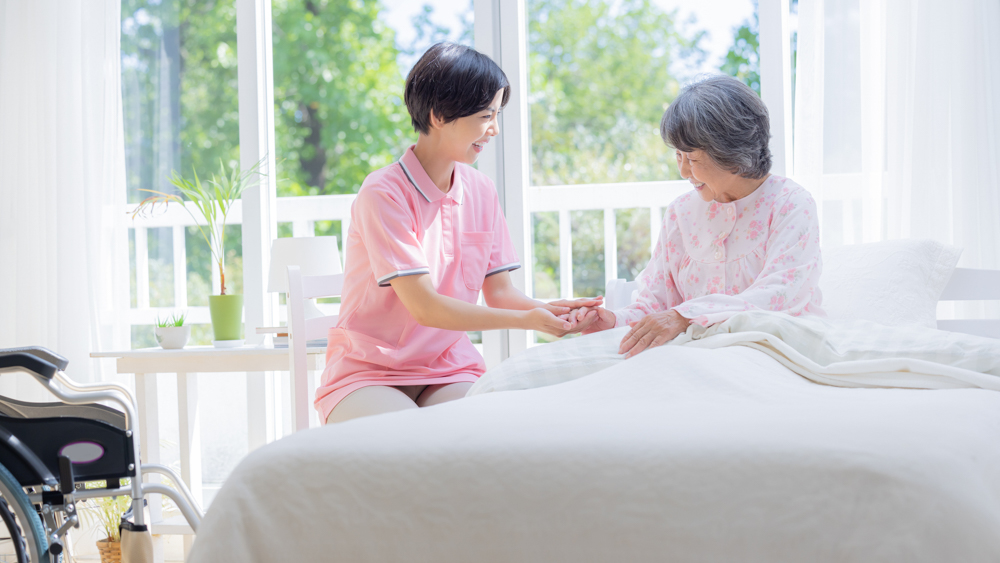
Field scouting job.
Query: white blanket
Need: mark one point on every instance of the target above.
(679, 454)
(833, 352)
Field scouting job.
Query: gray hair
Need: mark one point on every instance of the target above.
(725, 118)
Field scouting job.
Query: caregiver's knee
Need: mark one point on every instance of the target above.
(437, 394)
(368, 401)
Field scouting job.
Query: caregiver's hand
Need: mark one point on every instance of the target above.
(566, 306)
(652, 331)
(543, 320)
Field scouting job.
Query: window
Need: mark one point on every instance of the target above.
(600, 75)
(180, 114)
(339, 72)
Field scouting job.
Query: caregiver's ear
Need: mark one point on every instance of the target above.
(435, 120)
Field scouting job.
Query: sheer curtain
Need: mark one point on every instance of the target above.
(63, 239)
(897, 122)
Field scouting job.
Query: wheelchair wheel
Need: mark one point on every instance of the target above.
(30, 533)
(13, 532)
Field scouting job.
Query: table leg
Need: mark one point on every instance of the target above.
(189, 426)
(260, 409)
(147, 396)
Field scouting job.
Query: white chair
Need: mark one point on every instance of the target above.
(301, 330)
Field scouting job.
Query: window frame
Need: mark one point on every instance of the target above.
(500, 30)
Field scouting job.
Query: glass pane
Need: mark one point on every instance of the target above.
(632, 231)
(179, 94)
(601, 73)
(161, 267)
(545, 255)
(339, 70)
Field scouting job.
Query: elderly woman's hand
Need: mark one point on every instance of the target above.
(652, 331)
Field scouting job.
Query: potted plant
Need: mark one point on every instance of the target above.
(214, 204)
(107, 511)
(172, 333)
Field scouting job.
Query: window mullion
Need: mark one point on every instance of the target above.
(776, 79)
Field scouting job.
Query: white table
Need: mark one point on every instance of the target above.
(146, 363)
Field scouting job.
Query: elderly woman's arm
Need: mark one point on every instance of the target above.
(657, 291)
(789, 279)
(787, 282)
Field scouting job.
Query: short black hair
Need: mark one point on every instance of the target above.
(453, 81)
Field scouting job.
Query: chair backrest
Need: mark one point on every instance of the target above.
(966, 284)
(301, 330)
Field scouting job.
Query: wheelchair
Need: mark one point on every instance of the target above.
(49, 450)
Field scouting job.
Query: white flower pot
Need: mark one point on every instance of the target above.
(172, 337)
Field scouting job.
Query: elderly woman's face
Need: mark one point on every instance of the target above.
(711, 182)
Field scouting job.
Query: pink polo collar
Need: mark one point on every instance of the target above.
(422, 182)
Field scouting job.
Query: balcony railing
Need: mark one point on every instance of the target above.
(843, 226)
(303, 213)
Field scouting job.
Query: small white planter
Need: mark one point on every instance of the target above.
(172, 337)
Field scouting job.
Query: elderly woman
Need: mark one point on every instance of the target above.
(743, 239)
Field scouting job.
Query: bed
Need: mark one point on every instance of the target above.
(682, 453)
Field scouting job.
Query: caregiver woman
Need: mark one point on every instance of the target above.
(742, 240)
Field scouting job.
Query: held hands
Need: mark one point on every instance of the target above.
(652, 331)
(564, 316)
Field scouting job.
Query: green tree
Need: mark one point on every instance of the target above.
(743, 58)
(600, 77)
(338, 95)
(601, 74)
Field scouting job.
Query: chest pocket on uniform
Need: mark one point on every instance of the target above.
(476, 248)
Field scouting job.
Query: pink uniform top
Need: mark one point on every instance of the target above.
(713, 260)
(402, 225)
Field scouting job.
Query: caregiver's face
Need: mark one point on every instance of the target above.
(711, 181)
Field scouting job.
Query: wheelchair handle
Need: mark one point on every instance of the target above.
(43, 354)
(35, 365)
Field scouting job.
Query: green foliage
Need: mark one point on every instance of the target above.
(338, 94)
(600, 77)
(214, 205)
(179, 85)
(173, 320)
(545, 254)
(743, 58)
(105, 511)
(632, 231)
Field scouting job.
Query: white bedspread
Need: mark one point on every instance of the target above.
(833, 352)
(679, 454)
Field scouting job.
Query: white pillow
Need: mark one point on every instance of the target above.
(558, 362)
(894, 283)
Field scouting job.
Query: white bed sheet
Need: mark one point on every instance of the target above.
(679, 454)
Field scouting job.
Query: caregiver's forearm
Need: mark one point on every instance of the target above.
(430, 308)
(499, 292)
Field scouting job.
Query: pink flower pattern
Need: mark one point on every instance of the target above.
(763, 254)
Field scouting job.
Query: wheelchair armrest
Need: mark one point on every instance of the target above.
(28, 362)
(43, 354)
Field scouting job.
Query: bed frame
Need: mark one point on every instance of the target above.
(966, 284)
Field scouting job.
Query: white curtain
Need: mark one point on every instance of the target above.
(63, 239)
(897, 122)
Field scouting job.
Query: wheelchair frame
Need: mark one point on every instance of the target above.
(57, 507)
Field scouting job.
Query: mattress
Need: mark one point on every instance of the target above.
(677, 454)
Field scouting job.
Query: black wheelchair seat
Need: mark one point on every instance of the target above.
(98, 450)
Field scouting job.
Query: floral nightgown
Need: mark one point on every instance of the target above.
(713, 260)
